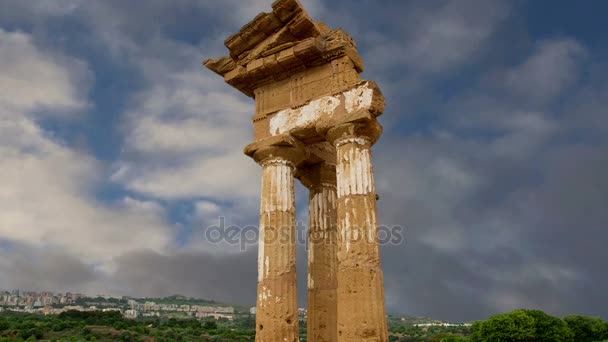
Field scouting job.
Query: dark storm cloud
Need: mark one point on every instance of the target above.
(490, 232)
(229, 278)
(29, 268)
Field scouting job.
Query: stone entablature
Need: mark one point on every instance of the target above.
(277, 45)
(296, 69)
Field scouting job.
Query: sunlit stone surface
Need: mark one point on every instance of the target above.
(315, 120)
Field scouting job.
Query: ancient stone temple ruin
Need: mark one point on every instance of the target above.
(315, 120)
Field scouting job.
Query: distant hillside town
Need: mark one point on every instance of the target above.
(49, 303)
(177, 306)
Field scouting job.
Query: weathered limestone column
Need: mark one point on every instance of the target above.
(320, 179)
(361, 305)
(306, 80)
(277, 301)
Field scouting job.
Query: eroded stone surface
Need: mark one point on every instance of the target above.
(277, 306)
(323, 109)
(303, 117)
(361, 306)
(315, 119)
(276, 44)
(322, 252)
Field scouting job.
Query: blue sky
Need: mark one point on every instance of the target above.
(117, 149)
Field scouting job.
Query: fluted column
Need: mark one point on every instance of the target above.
(361, 303)
(322, 317)
(277, 305)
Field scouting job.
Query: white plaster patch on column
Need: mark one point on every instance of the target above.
(288, 119)
(314, 211)
(267, 265)
(358, 98)
(333, 195)
(311, 281)
(267, 188)
(262, 192)
(367, 176)
(311, 252)
(351, 140)
(370, 223)
(347, 230)
(286, 189)
(354, 230)
(352, 175)
(282, 190)
(340, 172)
(265, 294)
(261, 253)
(279, 196)
(323, 224)
(354, 171)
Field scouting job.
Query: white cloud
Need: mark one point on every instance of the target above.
(525, 133)
(553, 66)
(187, 111)
(46, 188)
(33, 80)
(205, 210)
(185, 133)
(241, 12)
(186, 129)
(56, 7)
(438, 38)
(453, 33)
(512, 105)
(226, 176)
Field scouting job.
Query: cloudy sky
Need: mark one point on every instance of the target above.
(117, 149)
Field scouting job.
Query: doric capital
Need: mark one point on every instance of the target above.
(317, 175)
(280, 149)
(367, 131)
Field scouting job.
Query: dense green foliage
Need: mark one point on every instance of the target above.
(535, 325)
(587, 328)
(111, 326)
(410, 332)
(518, 325)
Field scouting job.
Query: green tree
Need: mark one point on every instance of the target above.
(4, 325)
(210, 325)
(514, 326)
(549, 328)
(535, 325)
(587, 329)
(454, 338)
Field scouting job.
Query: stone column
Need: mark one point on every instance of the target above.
(361, 305)
(277, 301)
(320, 179)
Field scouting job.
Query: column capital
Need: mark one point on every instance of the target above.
(280, 149)
(362, 132)
(318, 175)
